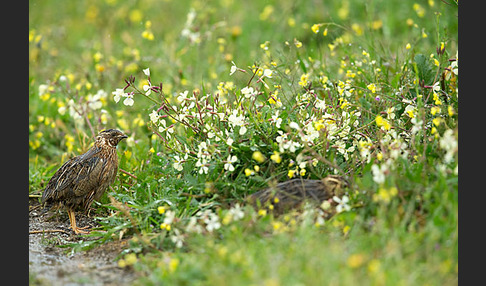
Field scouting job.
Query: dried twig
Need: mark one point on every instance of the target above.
(128, 173)
(47, 231)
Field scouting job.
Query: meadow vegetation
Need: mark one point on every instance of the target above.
(221, 99)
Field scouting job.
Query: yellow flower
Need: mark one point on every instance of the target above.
(433, 131)
(315, 28)
(434, 110)
(343, 12)
(267, 11)
(291, 22)
(173, 264)
(371, 87)
(165, 226)
(276, 157)
(357, 29)
(135, 16)
(436, 99)
(147, 34)
(130, 258)
(379, 156)
(248, 172)
(410, 111)
(375, 25)
(355, 260)
(258, 156)
(161, 210)
(325, 32)
(381, 122)
(236, 31)
(291, 173)
(419, 10)
(297, 43)
(385, 195)
(122, 263)
(450, 110)
(304, 79)
(424, 35)
(318, 125)
(99, 68)
(374, 266)
(302, 172)
(262, 212)
(408, 46)
(436, 121)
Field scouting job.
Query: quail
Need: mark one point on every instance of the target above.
(84, 178)
(291, 194)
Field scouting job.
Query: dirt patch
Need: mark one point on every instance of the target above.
(50, 264)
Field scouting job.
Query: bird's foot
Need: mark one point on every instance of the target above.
(79, 230)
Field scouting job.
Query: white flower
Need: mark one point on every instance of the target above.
(294, 125)
(169, 217)
(43, 89)
(448, 142)
(243, 130)
(182, 96)
(233, 68)
(154, 117)
(147, 88)
(247, 91)
(146, 71)
(202, 163)
(177, 238)
(236, 212)
(212, 222)
(94, 101)
(267, 73)
(178, 162)
(379, 173)
(342, 203)
(62, 110)
(320, 104)
(455, 66)
(129, 99)
(118, 93)
(229, 163)
(163, 128)
(390, 113)
(193, 226)
(276, 119)
(236, 120)
(417, 125)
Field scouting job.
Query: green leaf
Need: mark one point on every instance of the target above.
(424, 69)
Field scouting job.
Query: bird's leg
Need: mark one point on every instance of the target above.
(75, 228)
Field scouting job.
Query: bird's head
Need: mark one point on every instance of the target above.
(110, 137)
(336, 184)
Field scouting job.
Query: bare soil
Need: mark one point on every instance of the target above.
(50, 264)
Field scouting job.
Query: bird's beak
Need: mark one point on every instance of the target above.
(122, 136)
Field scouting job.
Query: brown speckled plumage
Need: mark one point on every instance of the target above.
(85, 178)
(291, 194)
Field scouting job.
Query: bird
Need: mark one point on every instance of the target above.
(292, 194)
(84, 178)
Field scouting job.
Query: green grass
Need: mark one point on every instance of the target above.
(374, 99)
